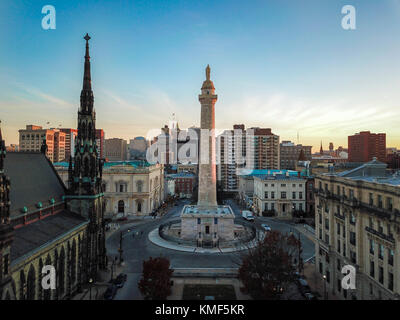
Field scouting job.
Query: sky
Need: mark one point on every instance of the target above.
(281, 64)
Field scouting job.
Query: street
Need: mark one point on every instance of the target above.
(137, 247)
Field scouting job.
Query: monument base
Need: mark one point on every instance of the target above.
(208, 225)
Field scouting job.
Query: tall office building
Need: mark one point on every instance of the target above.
(364, 146)
(254, 148)
(31, 138)
(116, 149)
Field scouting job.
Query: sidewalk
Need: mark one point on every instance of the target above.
(98, 288)
(155, 238)
(316, 283)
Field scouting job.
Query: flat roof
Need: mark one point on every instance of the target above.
(212, 210)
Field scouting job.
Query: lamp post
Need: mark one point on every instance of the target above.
(112, 267)
(325, 295)
(120, 246)
(90, 287)
(298, 249)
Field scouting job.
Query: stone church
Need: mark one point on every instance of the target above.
(43, 222)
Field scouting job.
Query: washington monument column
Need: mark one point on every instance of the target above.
(207, 168)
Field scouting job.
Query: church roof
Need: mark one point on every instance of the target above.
(33, 180)
(41, 233)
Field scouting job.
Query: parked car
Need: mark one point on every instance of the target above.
(303, 286)
(120, 280)
(110, 292)
(310, 296)
(266, 227)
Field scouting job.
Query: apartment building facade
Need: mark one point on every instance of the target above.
(279, 194)
(357, 220)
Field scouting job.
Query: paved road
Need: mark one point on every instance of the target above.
(137, 248)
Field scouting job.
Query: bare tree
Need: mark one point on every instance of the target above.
(269, 265)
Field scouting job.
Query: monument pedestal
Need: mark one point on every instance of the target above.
(207, 224)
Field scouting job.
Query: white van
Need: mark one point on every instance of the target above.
(248, 215)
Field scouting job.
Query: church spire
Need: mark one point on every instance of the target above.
(4, 188)
(321, 150)
(87, 85)
(2, 151)
(87, 93)
(84, 174)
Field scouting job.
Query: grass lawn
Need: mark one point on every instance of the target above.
(200, 291)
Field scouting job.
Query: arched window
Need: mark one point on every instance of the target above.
(121, 206)
(73, 262)
(139, 186)
(31, 287)
(61, 272)
(22, 285)
(40, 277)
(139, 206)
(47, 292)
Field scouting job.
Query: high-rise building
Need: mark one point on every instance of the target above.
(116, 149)
(264, 149)
(364, 146)
(289, 154)
(70, 136)
(31, 138)
(231, 148)
(253, 149)
(101, 143)
(137, 148)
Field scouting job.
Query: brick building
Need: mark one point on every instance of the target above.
(289, 154)
(364, 146)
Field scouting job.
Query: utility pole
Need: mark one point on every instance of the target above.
(120, 248)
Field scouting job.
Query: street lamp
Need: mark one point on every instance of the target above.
(120, 245)
(112, 267)
(90, 287)
(324, 277)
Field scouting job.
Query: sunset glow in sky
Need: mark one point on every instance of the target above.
(283, 64)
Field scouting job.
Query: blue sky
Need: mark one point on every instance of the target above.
(284, 64)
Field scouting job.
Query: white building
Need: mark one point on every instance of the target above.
(131, 187)
(279, 193)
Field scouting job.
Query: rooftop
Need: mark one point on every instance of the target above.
(35, 235)
(279, 177)
(180, 175)
(373, 171)
(216, 210)
(33, 181)
(110, 164)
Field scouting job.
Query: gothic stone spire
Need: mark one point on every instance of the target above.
(87, 93)
(84, 178)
